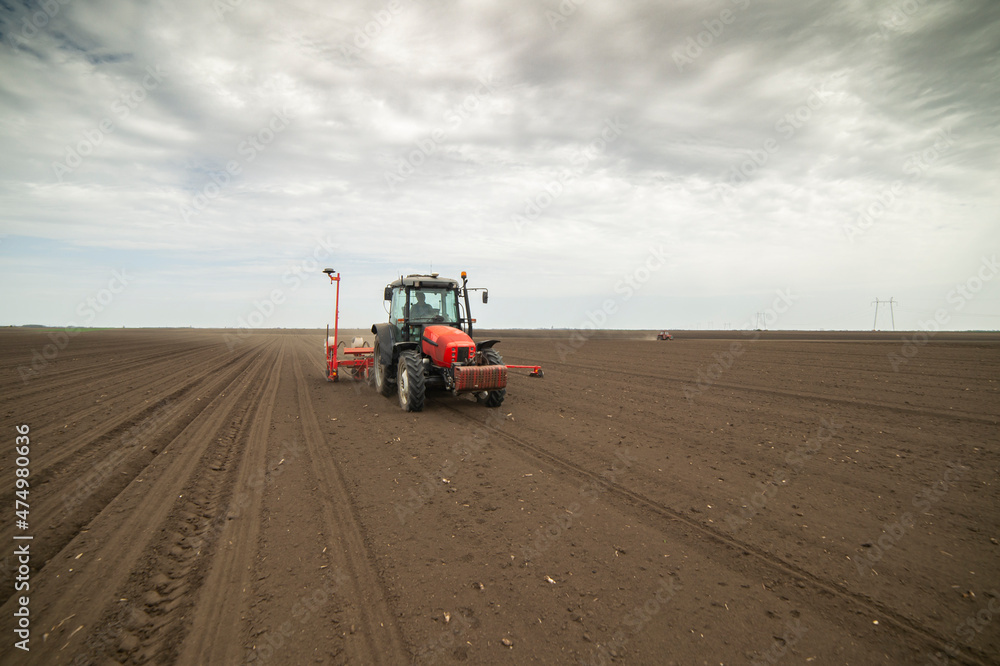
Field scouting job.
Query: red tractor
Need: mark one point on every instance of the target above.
(423, 345)
(663, 335)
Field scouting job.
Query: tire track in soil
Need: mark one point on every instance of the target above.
(722, 402)
(123, 413)
(297, 612)
(64, 515)
(734, 547)
(171, 576)
(12, 360)
(215, 637)
(380, 640)
(954, 415)
(87, 622)
(118, 374)
(773, 359)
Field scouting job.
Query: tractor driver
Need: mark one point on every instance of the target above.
(420, 309)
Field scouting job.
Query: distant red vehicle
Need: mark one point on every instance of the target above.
(663, 335)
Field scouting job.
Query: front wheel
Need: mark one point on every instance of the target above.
(383, 384)
(410, 381)
(494, 398)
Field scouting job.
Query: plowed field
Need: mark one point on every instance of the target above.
(830, 500)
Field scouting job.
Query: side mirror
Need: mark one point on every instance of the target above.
(387, 296)
(486, 296)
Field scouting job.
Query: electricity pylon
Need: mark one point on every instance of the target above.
(891, 303)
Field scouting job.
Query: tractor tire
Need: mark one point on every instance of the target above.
(494, 398)
(410, 381)
(383, 383)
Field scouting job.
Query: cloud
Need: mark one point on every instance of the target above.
(755, 136)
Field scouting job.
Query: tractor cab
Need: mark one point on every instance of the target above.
(417, 301)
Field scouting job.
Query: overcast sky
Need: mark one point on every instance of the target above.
(636, 164)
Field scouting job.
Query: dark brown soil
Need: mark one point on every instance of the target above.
(719, 498)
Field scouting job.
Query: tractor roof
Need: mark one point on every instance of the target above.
(425, 281)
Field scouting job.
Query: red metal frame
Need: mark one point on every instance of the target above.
(536, 370)
(362, 358)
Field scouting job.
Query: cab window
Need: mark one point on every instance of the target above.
(396, 308)
(433, 305)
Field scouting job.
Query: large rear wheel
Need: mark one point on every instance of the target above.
(494, 398)
(410, 381)
(384, 385)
